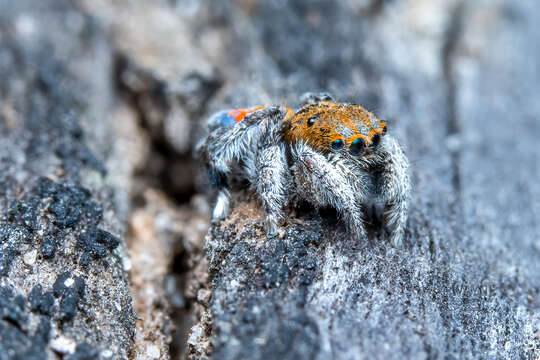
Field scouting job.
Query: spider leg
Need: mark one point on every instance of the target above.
(394, 186)
(323, 184)
(221, 209)
(270, 179)
(218, 180)
(314, 98)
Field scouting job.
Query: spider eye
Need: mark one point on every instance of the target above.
(311, 121)
(357, 146)
(338, 144)
(375, 140)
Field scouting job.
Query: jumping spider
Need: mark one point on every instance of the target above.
(326, 153)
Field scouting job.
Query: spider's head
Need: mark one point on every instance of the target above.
(334, 127)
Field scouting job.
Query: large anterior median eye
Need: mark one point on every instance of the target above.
(357, 146)
(338, 144)
(375, 140)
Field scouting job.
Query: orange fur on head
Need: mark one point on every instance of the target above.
(322, 123)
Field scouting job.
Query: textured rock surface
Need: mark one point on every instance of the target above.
(457, 82)
(122, 86)
(165, 242)
(166, 78)
(63, 288)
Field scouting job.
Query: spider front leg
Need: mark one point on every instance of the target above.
(270, 177)
(394, 187)
(324, 184)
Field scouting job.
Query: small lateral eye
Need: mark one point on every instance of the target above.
(376, 139)
(384, 128)
(338, 144)
(311, 121)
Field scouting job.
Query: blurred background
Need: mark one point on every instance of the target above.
(458, 82)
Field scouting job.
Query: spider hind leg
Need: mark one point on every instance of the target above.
(218, 180)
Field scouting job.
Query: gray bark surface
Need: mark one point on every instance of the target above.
(63, 288)
(458, 87)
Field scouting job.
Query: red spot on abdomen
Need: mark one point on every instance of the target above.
(240, 114)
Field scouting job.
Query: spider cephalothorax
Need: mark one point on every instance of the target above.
(326, 153)
(328, 126)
